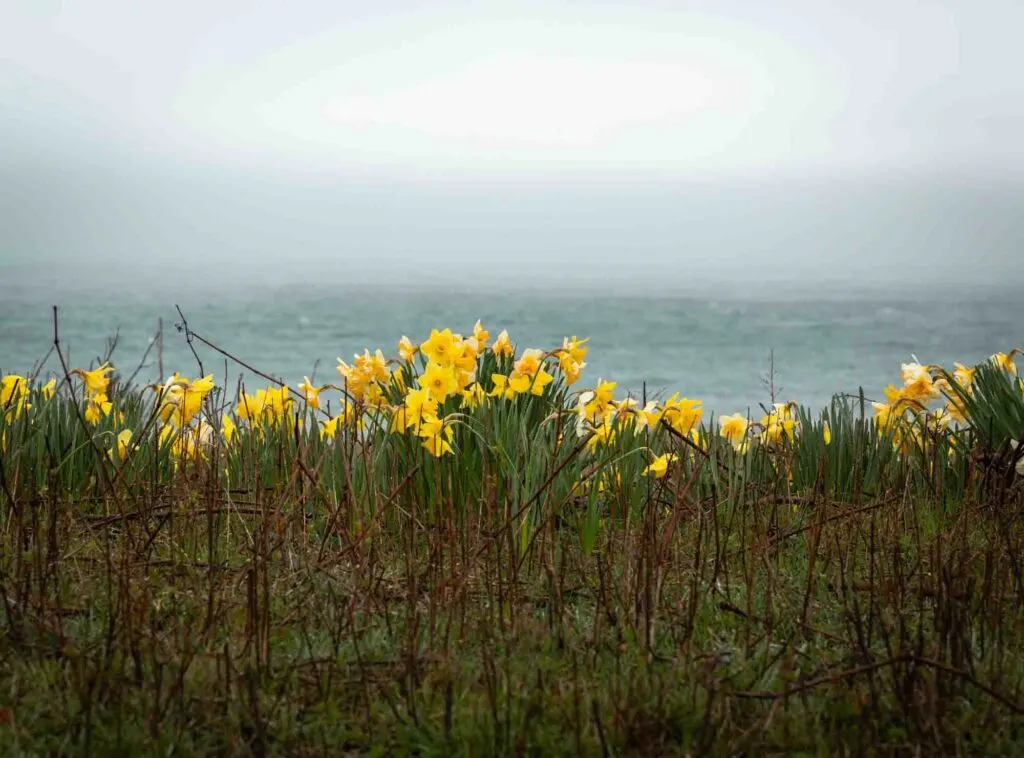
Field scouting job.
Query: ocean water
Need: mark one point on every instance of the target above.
(709, 345)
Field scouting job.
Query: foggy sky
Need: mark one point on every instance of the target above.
(723, 138)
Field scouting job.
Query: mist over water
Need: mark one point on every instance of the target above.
(192, 227)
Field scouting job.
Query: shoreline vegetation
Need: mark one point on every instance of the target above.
(471, 549)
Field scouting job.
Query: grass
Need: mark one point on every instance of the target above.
(282, 593)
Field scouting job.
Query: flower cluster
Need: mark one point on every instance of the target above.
(930, 399)
(429, 390)
(96, 384)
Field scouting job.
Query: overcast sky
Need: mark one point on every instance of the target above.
(675, 85)
(237, 128)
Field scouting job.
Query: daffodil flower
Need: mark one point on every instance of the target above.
(98, 407)
(436, 436)
(227, 428)
(13, 391)
(659, 466)
(481, 335)
(734, 429)
(439, 380)
(418, 405)
(473, 396)
(96, 381)
(502, 346)
(529, 362)
(440, 347)
(682, 414)
(406, 349)
(509, 386)
(1005, 361)
(574, 349)
(918, 384)
(121, 445)
(310, 393)
(964, 375)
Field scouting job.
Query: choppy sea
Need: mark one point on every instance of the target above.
(715, 348)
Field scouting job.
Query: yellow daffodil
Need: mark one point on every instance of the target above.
(649, 415)
(123, 439)
(956, 411)
(13, 391)
(785, 411)
(964, 375)
(182, 399)
(659, 466)
(439, 380)
(204, 385)
(571, 369)
(502, 346)
(1005, 361)
(529, 362)
(355, 380)
(886, 415)
(535, 382)
(398, 379)
(97, 407)
(366, 370)
(374, 366)
(593, 405)
(96, 381)
(436, 436)
(310, 393)
(682, 414)
(406, 349)
(918, 385)
(374, 396)
(777, 430)
(509, 386)
(604, 433)
(48, 389)
(604, 392)
(574, 349)
(418, 405)
(227, 428)
(826, 432)
(473, 397)
(780, 423)
(190, 442)
(893, 395)
(626, 411)
(734, 429)
(481, 335)
(465, 356)
(250, 407)
(441, 347)
(271, 405)
(584, 408)
(520, 383)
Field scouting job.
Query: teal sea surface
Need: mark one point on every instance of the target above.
(717, 349)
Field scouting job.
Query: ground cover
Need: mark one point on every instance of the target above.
(455, 551)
